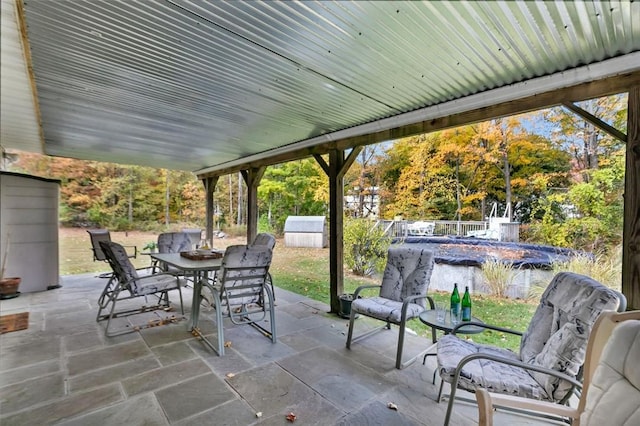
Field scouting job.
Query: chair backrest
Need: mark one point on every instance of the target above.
(559, 330)
(264, 239)
(407, 273)
(96, 236)
(612, 376)
(122, 267)
(174, 242)
(243, 273)
(195, 235)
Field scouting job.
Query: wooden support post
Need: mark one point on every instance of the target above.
(336, 169)
(631, 230)
(252, 178)
(209, 187)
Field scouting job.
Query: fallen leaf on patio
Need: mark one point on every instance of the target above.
(230, 375)
(227, 344)
(392, 406)
(259, 414)
(291, 417)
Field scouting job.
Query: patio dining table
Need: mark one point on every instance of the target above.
(199, 270)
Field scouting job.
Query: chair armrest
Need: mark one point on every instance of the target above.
(362, 287)
(488, 326)
(135, 251)
(488, 401)
(411, 299)
(576, 383)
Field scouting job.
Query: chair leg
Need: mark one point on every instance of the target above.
(452, 396)
(400, 345)
(352, 317)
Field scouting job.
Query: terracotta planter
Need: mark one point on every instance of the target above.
(9, 287)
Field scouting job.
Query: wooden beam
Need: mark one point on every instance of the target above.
(587, 116)
(252, 178)
(631, 227)
(209, 188)
(604, 87)
(336, 220)
(336, 169)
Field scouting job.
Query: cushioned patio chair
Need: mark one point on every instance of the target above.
(128, 283)
(266, 240)
(195, 235)
(240, 291)
(551, 350)
(98, 235)
(173, 242)
(402, 296)
(611, 387)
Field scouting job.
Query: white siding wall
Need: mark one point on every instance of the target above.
(304, 239)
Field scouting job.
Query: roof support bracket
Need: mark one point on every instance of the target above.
(587, 116)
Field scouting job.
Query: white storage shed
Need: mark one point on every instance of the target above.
(29, 230)
(306, 231)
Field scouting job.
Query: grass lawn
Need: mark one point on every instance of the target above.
(304, 271)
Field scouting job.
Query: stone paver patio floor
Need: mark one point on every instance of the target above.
(63, 370)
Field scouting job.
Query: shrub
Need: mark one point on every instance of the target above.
(498, 276)
(365, 247)
(604, 268)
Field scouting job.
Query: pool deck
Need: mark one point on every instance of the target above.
(63, 370)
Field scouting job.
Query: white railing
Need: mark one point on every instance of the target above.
(406, 228)
(462, 228)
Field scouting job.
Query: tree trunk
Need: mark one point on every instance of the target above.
(167, 197)
(240, 200)
(230, 199)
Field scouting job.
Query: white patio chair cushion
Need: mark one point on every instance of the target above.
(154, 283)
(491, 375)
(614, 393)
(385, 309)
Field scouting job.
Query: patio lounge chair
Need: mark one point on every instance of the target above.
(402, 295)
(98, 235)
(266, 240)
(126, 283)
(552, 350)
(611, 379)
(240, 289)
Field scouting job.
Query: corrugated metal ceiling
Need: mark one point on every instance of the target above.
(191, 84)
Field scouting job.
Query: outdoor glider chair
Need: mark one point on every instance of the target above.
(402, 295)
(127, 283)
(552, 350)
(266, 240)
(98, 235)
(240, 291)
(611, 388)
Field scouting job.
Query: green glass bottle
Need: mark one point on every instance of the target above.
(455, 301)
(466, 305)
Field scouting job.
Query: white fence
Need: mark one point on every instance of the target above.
(463, 228)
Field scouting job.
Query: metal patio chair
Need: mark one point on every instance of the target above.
(173, 242)
(611, 379)
(127, 283)
(402, 296)
(240, 291)
(552, 350)
(98, 235)
(266, 240)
